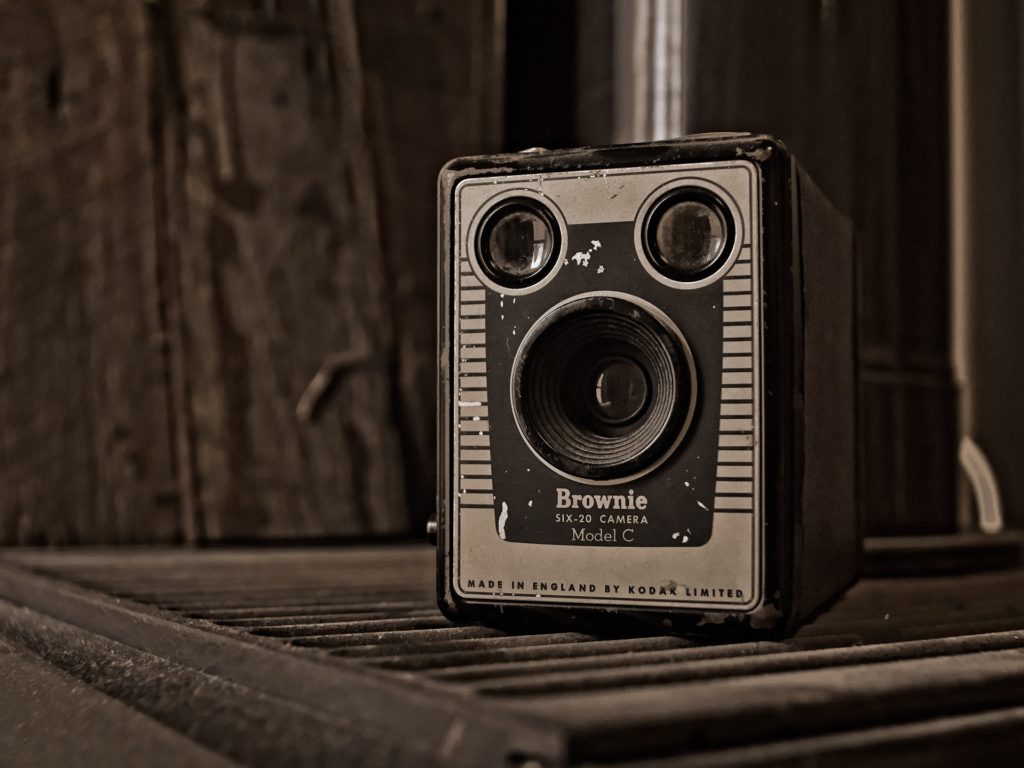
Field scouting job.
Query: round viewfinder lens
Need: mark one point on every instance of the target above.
(517, 242)
(688, 234)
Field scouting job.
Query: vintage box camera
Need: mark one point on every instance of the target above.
(647, 387)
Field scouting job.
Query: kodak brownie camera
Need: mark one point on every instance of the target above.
(647, 387)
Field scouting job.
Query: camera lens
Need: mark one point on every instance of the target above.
(617, 391)
(688, 234)
(517, 242)
(602, 388)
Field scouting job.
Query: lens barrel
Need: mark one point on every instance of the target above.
(602, 389)
(517, 242)
(688, 234)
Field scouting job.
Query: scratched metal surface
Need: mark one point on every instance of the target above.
(898, 664)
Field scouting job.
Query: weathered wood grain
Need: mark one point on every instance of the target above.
(433, 85)
(84, 431)
(278, 267)
(217, 260)
(301, 153)
(49, 718)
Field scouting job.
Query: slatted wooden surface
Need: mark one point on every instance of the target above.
(899, 666)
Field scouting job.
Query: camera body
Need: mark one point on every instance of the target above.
(647, 388)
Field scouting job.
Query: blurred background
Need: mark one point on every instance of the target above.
(217, 235)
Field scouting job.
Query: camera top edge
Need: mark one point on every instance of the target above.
(760, 148)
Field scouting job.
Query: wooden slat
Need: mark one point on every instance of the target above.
(517, 654)
(85, 448)
(736, 710)
(49, 718)
(770, 658)
(987, 738)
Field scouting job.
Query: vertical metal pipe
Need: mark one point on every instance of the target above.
(650, 69)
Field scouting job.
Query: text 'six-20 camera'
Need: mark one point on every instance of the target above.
(647, 387)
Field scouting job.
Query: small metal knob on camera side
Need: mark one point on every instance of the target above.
(432, 530)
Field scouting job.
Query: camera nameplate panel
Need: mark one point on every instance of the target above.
(725, 571)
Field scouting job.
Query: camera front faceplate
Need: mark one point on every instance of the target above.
(680, 529)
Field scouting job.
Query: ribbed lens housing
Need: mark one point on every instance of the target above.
(563, 405)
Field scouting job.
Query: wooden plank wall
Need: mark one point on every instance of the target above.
(84, 422)
(858, 91)
(433, 73)
(990, 279)
(203, 206)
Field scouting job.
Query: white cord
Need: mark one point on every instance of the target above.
(983, 484)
